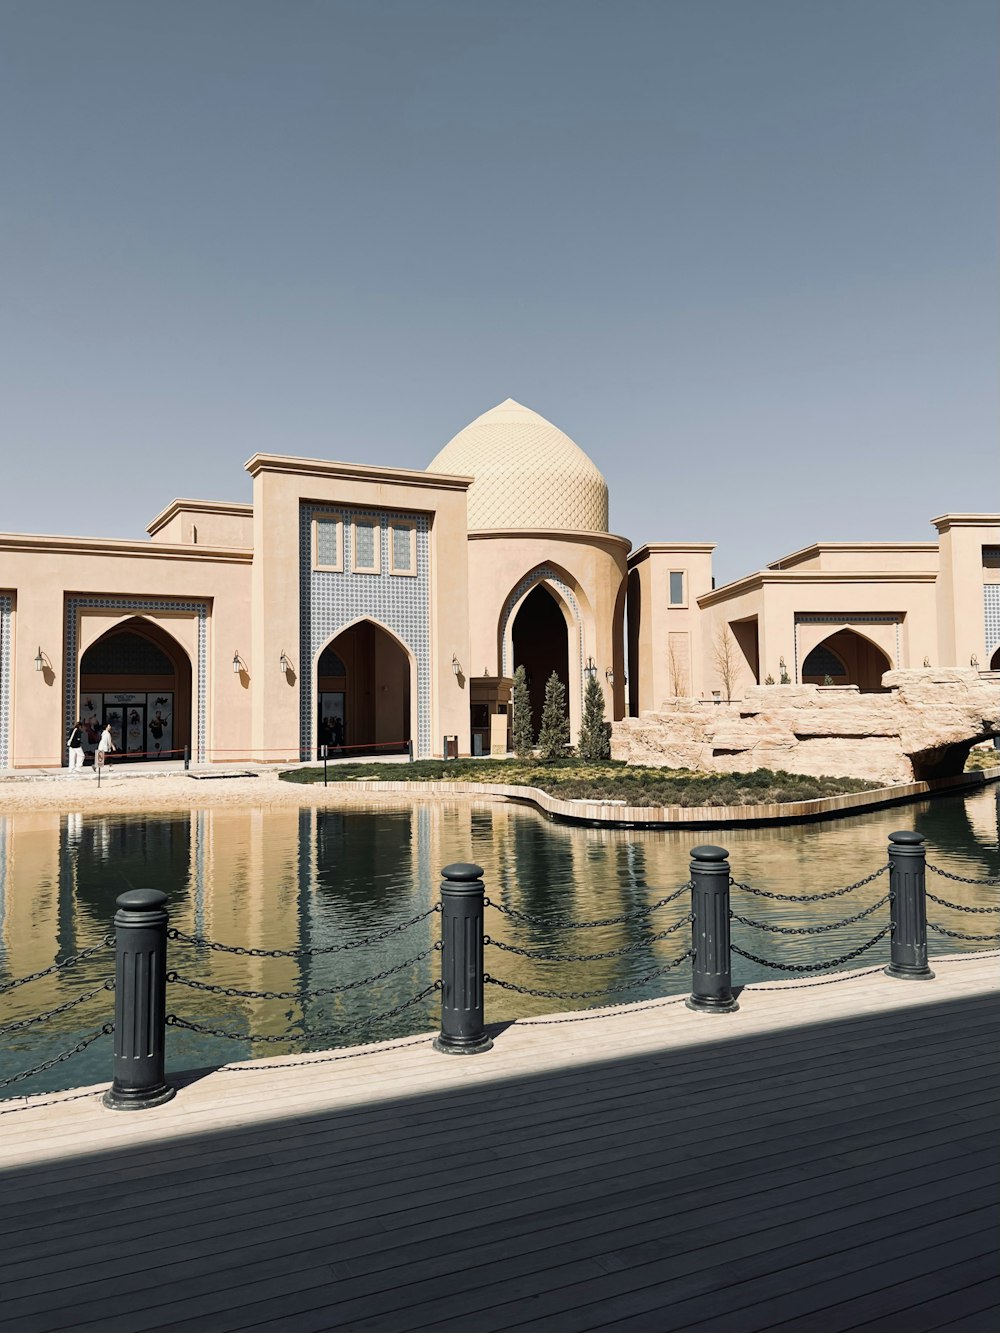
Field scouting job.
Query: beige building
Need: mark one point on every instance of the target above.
(380, 610)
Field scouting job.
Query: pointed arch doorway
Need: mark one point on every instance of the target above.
(540, 640)
(847, 658)
(365, 683)
(137, 678)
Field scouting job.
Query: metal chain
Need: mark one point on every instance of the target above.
(259, 1067)
(58, 967)
(958, 907)
(961, 935)
(772, 987)
(235, 992)
(81, 1045)
(564, 924)
(586, 957)
(811, 930)
(108, 984)
(814, 967)
(586, 994)
(809, 897)
(959, 879)
(175, 1021)
(200, 943)
(617, 1010)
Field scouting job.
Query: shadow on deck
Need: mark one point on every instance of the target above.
(836, 1175)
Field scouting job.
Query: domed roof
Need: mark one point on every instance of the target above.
(528, 474)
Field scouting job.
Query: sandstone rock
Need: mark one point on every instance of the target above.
(922, 726)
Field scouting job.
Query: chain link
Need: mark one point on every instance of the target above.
(586, 994)
(107, 984)
(961, 935)
(814, 967)
(260, 1067)
(200, 943)
(235, 992)
(58, 967)
(175, 1021)
(808, 897)
(564, 924)
(959, 879)
(81, 1045)
(586, 957)
(811, 930)
(958, 907)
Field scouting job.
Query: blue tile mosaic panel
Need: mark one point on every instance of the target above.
(6, 607)
(991, 618)
(137, 606)
(330, 600)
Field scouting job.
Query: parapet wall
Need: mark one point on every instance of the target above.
(921, 727)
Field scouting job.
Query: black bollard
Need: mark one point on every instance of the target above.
(324, 751)
(140, 1002)
(711, 978)
(462, 1030)
(187, 758)
(908, 907)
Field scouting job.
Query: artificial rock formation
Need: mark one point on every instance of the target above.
(923, 726)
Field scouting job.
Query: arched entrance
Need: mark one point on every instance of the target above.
(137, 677)
(847, 658)
(364, 688)
(541, 645)
(995, 661)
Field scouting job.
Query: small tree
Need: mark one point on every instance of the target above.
(554, 735)
(724, 652)
(520, 701)
(593, 742)
(678, 676)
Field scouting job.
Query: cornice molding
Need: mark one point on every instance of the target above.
(669, 548)
(804, 577)
(27, 543)
(552, 534)
(321, 467)
(175, 507)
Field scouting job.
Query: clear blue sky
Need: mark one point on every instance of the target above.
(742, 251)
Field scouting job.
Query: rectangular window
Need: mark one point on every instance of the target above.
(991, 557)
(677, 588)
(402, 549)
(328, 548)
(366, 546)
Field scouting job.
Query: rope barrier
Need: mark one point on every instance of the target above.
(233, 992)
(80, 1046)
(960, 934)
(959, 907)
(587, 994)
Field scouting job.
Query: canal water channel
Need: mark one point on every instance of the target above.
(315, 880)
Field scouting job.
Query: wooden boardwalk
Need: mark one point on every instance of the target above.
(825, 1159)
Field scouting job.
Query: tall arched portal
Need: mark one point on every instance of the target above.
(137, 677)
(364, 691)
(847, 658)
(995, 661)
(541, 646)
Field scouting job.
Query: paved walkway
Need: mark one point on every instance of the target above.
(823, 1160)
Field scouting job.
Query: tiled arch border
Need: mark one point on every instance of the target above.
(6, 611)
(847, 618)
(541, 574)
(136, 606)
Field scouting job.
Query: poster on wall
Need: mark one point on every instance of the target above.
(159, 724)
(113, 718)
(126, 711)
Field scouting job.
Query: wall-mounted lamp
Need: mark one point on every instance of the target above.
(39, 659)
(974, 661)
(238, 664)
(927, 661)
(283, 664)
(591, 668)
(456, 665)
(609, 676)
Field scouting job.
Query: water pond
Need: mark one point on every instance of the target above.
(297, 880)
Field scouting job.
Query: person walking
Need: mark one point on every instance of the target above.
(105, 746)
(74, 745)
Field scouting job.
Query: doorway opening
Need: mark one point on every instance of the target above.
(137, 678)
(847, 658)
(363, 694)
(541, 646)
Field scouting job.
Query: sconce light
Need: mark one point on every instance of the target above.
(39, 659)
(591, 668)
(974, 661)
(927, 661)
(456, 665)
(283, 664)
(237, 664)
(609, 676)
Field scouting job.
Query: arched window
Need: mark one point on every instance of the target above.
(822, 662)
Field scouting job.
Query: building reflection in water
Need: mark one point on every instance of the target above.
(285, 879)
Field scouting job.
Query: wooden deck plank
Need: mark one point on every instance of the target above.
(846, 1120)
